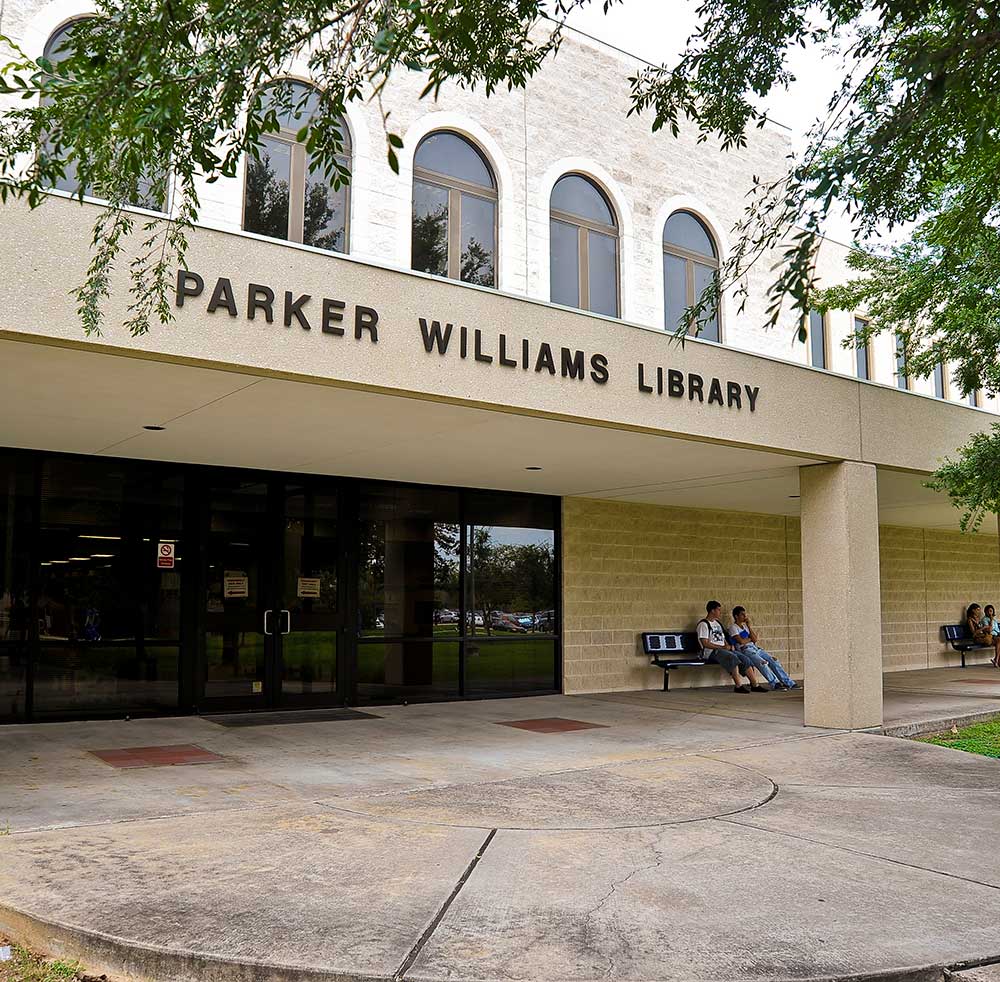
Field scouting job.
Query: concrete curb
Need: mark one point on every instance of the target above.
(132, 961)
(119, 959)
(941, 725)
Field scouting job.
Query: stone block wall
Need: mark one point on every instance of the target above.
(629, 568)
(929, 576)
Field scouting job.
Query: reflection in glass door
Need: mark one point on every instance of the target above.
(310, 609)
(273, 614)
(238, 594)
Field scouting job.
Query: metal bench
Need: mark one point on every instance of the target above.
(957, 635)
(673, 649)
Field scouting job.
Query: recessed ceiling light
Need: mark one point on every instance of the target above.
(154, 427)
(102, 555)
(78, 559)
(109, 538)
(532, 468)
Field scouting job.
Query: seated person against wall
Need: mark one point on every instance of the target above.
(715, 647)
(981, 633)
(745, 640)
(990, 621)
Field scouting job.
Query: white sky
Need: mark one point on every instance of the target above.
(656, 31)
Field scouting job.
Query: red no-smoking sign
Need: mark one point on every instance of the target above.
(165, 555)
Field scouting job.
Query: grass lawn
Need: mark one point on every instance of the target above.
(26, 966)
(979, 738)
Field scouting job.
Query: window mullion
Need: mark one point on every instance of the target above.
(583, 241)
(297, 194)
(454, 234)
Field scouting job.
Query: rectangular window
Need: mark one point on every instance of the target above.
(974, 398)
(564, 274)
(817, 339)
(902, 379)
(268, 189)
(862, 357)
(430, 229)
(603, 273)
(939, 382)
(478, 257)
(675, 292)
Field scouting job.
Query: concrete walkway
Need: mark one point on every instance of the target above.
(691, 835)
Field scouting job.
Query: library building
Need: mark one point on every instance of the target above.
(431, 436)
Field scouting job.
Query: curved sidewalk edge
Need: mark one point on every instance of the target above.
(104, 954)
(118, 958)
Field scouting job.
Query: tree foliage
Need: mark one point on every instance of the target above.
(153, 96)
(972, 480)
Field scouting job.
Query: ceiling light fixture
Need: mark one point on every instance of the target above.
(533, 468)
(154, 428)
(108, 538)
(102, 555)
(795, 496)
(78, 559)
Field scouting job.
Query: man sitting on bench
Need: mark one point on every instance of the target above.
(715, 647)
(744, 639)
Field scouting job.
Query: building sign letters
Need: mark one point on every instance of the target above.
(336, 317)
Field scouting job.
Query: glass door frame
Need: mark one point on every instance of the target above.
(271, 564)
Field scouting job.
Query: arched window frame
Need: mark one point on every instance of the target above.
(583, 226)
(691, 259)
(456, 187)
(298, 173)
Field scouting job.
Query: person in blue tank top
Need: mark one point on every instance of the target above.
(744, 639)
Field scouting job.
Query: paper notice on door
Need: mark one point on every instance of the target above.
(308, 587)
(235, 584)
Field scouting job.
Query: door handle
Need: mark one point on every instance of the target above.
(288, 622)
(267, 623)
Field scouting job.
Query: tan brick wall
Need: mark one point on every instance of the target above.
(629, 568)
(928, 578)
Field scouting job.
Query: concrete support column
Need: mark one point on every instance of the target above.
(841, 603)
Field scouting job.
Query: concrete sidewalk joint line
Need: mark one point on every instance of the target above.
(414, 952)
(857, 852)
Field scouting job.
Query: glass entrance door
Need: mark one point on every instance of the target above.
(273, 611)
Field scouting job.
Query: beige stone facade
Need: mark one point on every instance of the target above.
(629, 568)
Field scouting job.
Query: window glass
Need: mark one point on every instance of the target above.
(430, 228)
(577, 196)
(973, 398)
(603, 265)
(674, 291)
(325, 217)
(267, 190)
(479, 216)
(285, 198)
(527, 664)
(294, 103)
(939, 380)
(564, 266)
(450, 154)
(16, 521)
(902, 380)
(108, 615)
(511, 581)
(686, 231)
(817, 339)
(861, 356)
(703, 278)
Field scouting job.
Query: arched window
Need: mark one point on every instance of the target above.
(690, 262)
(284, 199)
(583, 246)
(454, 210)
(58, 49)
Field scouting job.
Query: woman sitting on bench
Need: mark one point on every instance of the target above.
(981, 629)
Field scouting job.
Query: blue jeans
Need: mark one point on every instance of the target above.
(767, 665)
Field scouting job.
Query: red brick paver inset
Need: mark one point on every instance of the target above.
(180, 753)
(553, 724)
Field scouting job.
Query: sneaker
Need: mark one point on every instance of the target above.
(741, 688)
(760, 688)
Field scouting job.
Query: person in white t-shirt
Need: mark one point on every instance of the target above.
(716, 648)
